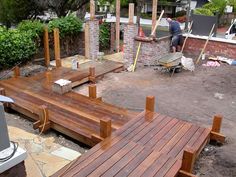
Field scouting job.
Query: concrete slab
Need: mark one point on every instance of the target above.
(66, 153)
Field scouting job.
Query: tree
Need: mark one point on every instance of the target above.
(14, 11)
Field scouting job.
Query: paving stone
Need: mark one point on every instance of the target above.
(66, 153)
(47, 158)
(49, 170)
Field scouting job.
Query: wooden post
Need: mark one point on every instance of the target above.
(2, 92)
(188, 160)
(105, 128)
(131, 13)
(57, 47)
(92, 9)
(46, 47)
(48, 75)
(150, 103)
(117, 25)
(217, 123)
(215, 131)
(92, 77)
(86, 36)
(154, 13)
(92, 91)
(16, 71)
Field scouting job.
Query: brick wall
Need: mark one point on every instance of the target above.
(152, 51)
(93, 26)
(216, 48)
(112, 37)
(94, 39)
(130, 31)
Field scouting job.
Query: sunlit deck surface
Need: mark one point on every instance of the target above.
(73, 114)
(151, 144)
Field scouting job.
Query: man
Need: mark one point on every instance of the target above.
(176, 33)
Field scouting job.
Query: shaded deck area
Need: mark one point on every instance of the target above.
(73, 114)
(150, 144)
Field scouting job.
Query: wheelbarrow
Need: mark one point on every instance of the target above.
(171, 63)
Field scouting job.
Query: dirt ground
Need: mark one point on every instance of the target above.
(194, 97)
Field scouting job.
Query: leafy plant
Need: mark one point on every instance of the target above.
(216, 6)
(232, 3)
(203, 11)
(36, 28)
(15, 46)
(69, 25)
(104, 35)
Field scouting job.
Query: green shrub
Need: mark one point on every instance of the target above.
(216, 7)
(202, 11)
(67, 25)
(15, 46)
(36, 28)
(104, 35)
(232, 3)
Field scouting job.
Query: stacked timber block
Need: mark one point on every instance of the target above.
(62, 86)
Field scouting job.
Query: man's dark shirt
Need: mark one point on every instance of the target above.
(175, 28)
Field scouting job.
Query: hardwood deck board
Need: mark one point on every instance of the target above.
(97, 168)
(173, 171)
(168, 141)
(151, 138)
(121, 163)
(107, 152)
(146, 133)
(134, 163)
(168, 165)
(144, 165)
(156, 166)
(114, 156)
(179, 146)
(143, 125)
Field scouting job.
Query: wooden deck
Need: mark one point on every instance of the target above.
(73, 114)
(151, 144)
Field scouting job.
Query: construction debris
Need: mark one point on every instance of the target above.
(187, 63)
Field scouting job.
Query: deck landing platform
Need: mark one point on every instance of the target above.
(149, 145)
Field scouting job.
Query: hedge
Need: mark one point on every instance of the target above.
(69, 25)
(15, 46)
(21, 44)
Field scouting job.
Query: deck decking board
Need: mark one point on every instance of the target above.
(150, 144)
(161, 158)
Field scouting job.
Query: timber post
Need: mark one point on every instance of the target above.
(150, 103)
(92, 77)
(46, 47)
(16, 71)
(2, 92)
(117, 25)
(48, 75)
(92, 91)
(188, 160)
(215, 130)
(105, 128)
(154, 13)
(131, 13)
(92, 10)
(57, 47)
